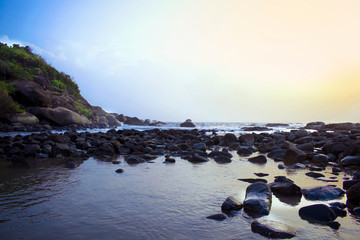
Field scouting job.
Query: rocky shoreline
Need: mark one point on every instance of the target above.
(334, 145)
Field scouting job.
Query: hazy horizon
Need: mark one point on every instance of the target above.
(207, 60)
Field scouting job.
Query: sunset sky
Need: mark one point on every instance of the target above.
(208, 60)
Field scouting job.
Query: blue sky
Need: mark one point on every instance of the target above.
(248, 61)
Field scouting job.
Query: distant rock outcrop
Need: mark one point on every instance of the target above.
(187, 123)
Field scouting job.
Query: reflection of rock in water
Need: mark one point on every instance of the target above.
(290, 200)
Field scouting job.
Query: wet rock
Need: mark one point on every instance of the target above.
(315, 125)
(301, 133)
(348, 183)
(306, 147)
(61, 149)
(116, 162)
(200, 146)
(339, 211)
(197, 159)
(261, 159)
(356, 175)
(334, 225)
(314, 174)
(294, 155)
(261, 174)
(258, 199)
(353, 194)
(338, 204)
(298, 166)
(287, 188)
(316, 168)
(230, 204)
(243, 151)
(71, 165)
(350, 160)
(272, 229)
(187, 123)
(219, 153)
(253, 180)
(320, 158)
(222, 159)
(31, 150)
(323, 193)
(119, 170)
(247, 139)
(228, 139)
(281, 166)
(279, 153)
(317, 213)
(217, 217)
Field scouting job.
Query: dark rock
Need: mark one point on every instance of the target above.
(285, 188)
(320, 158)
(301, 133)
(31, 150)
(119, 170)
(61, 149)
(29, 93)
(116, 162)
(187, 123)
(243, 151)
(298, 166)
(272, 229)
(294, 155)
(220, 153)
(338, 204)
(253, 180)
(200, 146)
(255, 129)
(71, 165)
(222, 159)
(323, 193)
(59, 115)
(279, 153)
(334, 225)
(134, 121)
(315, 125)
(316, 168)
(306, 147)
(169, 160)
(353, 194)
(230, 204)
(356, 175)
(228, 139)
(258, 199)
(247, 139)
(314, 174)
(348, 183)
(197, 159)
(318, 213)
(277, 125)
(217, 217)
(261, 174)
(281, 166)
(339, 212)
(261, 159)
(350, 160)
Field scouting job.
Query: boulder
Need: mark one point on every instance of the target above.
(353, 194)
(197, 159)
(247, 139)
(23, 118)
(187, 123)
(29, 93)
(230, 204)
(350, 160)
(320, 158)
(272, 229)
(121, 118)
(323, 193)
(261, 159)
(228, 139)
(59, 115)
(315, 125)
(134, 121)
(317, 213)
(258, 199)
(42, 81)
(244, 151)
(200, 146)
(112, 121)
(285, 187)
(222, 159)
(294, 155)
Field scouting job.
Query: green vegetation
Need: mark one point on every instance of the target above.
(82, 109)
(7, 104)
(21, 63)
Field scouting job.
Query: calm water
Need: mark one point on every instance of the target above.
(147, 201)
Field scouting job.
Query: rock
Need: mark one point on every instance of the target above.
(200, 146)
(294, 155)
(261, 174)
(278, 153)
(349, 183)
(116, 162)
(318, 213)
(23, 118)
(169, 160)
(315, 125)
(350, 160)
(272, 229)
(334, 225)
(338, 204)
(338, 211)
(261, 159)
(42, 81)
(61, 149)
(220, 153)
(187, 123)
(119, 170)
(197, 159)
(243, 151)
(247, 139)
(228, 139)
(31, 150)
(121, 118)
(320, 158)
(251, 129)
(301, 133)
(316, 168)
(112, 121)
(306, 147)
(341, 126)
(230, 204)
(323, 193)
(353, 194)
(314, 174)
(71, 165)
(134, 121)
(356, 175)
(298, 166)
(59, 115)
(222, 159)
(285, 188)
(217, 217)
(29, 93)
(281, 166)
(277, 125)
(253, 180)
(258, 199)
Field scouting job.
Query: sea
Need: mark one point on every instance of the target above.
(153, 200)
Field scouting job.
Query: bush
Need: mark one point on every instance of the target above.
(82, 109)
(7, 104)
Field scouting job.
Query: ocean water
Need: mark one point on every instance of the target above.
(149, 201)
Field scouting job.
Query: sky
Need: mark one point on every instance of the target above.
(207, 60)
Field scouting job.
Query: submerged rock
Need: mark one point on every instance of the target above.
(323, 193)
(314, 174)
(317, 213)
(272, 229)
(253, 180)
(217, 217)
(230, 204)
(197, 159)
(258, 198)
